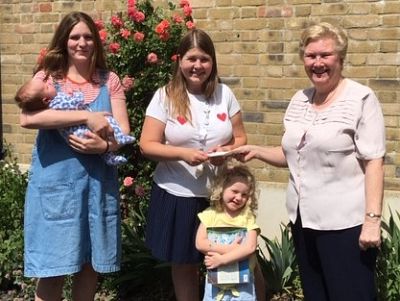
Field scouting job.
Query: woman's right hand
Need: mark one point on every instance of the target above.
(193, 156)
(244, 153)
(99, 125)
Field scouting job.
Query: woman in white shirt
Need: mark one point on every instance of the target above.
(187, 119)
(334, 144)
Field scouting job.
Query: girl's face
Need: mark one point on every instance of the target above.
(322, 63)
(196, 67)
(80, 44)
(235, 196)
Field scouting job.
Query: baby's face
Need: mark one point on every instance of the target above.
(49, 91)
(46, 91)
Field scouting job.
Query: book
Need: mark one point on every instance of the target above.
(234, 273)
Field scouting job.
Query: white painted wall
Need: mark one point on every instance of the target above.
(272, 209)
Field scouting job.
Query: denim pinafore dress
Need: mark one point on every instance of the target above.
(72, 214)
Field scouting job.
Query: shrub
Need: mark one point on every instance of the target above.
(388, 264)
(279, 267)
(13, 184)
(140, 44)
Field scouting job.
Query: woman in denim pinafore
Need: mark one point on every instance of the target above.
(72, 218)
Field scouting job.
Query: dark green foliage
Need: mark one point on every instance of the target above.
(279, 266)
(141, 273)
(388, 265)
(13, 184)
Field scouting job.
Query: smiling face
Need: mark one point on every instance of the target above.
(196, 67)
(323, 64)
(235, 196)
(80, 44)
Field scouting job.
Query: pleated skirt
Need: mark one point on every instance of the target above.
(172, 224)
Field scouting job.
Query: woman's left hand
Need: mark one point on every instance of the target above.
(92, 144)
(370, 236)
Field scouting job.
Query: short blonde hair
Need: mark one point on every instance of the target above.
(324, 30)
(230, 172)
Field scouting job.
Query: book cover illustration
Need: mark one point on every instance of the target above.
(237, 272)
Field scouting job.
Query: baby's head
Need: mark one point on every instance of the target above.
(234, 179)
(35, 95)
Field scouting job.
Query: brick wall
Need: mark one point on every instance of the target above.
(256, 41)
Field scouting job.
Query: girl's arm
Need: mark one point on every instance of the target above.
(204, 245)
(371, 230)
(213, 259)
(152, 145)
(239, 134)
(270, 155)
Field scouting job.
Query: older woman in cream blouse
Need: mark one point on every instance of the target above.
(334, 144)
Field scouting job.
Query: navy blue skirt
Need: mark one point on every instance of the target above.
(172, 224)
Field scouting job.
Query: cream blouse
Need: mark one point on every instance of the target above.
(324, 150)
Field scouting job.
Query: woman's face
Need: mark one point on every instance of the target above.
(196, 67)
(322, 63)
(80, 44)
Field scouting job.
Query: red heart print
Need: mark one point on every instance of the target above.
(181, 119)
(221, 116)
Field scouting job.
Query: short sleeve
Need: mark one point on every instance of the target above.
(157, 107)
(207, 216)
(370, 134)
(115, 87)
(251, 224)
(233, 104)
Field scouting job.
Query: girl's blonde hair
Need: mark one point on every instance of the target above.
(230, 173)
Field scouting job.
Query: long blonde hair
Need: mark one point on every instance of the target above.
(231, 172)
(177, 96)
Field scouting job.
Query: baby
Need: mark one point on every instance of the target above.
(37, 95)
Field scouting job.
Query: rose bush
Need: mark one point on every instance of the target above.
(141, 45)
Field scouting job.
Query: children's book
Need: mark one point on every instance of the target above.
(237, 272)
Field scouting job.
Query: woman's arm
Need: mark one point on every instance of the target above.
(371, 230)
(270, 155)
(214, 259)
(120, 113)
(54, 119)
(152, 145)
(118, 103)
